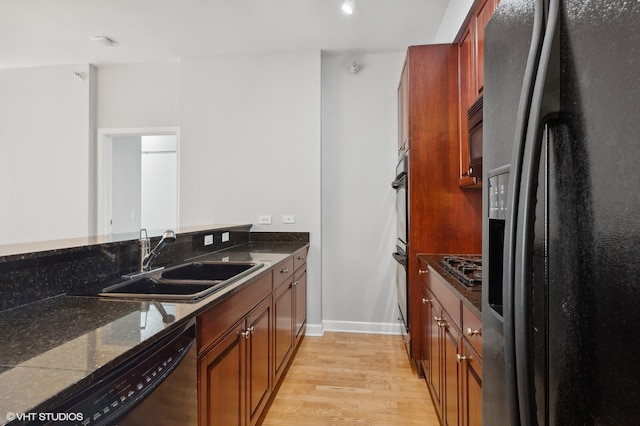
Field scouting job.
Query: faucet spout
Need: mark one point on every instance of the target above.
(168, 237)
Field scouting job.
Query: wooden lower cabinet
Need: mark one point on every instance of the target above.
(451, 363)
(471, 384)
(283, 332)
(450, 337)
(221, 381)
(245, 344)
(300, 305)
(235, 373)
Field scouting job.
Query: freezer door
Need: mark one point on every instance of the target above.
(507, 39)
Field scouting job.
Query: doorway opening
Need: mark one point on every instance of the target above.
(138, 180)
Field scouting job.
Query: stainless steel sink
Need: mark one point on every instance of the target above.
(188, 282)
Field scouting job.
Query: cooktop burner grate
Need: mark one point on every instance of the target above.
(467, 269)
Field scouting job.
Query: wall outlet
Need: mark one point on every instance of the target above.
(288, 219)
(264, 220)
(208, 240)
(225, 237)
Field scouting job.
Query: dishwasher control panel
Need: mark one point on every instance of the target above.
(114, 395)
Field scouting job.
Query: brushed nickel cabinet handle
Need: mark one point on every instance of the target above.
(423, 271)
(284, 271)
(425, 301)
(472, 333)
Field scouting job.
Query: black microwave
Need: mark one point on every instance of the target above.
(475, 139)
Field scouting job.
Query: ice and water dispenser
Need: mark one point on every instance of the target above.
(498, 191)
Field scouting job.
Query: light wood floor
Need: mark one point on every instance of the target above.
(346, 378)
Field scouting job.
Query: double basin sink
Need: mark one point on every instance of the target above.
(187, 282)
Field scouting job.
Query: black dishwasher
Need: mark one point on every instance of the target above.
(157, 386)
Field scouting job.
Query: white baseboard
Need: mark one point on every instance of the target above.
(353, 327)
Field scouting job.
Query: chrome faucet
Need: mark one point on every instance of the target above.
(168, 237)
(144, 247)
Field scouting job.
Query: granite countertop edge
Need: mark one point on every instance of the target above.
(73, 310)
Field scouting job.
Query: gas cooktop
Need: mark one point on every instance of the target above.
(467, 269)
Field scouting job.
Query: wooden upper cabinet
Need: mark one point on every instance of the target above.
(483, 14)
(471, 75)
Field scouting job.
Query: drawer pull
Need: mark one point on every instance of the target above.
(423, 271)
(472, 333)
(300, 257)
(284, 271)
(425, 300)
(295, 283)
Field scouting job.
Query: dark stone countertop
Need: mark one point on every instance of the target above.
(52, 348)
(471, 298)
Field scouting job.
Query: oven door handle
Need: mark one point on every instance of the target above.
(400, 258)
(400, 181)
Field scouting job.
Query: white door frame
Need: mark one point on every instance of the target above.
(104, 198)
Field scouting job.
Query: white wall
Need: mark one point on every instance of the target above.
(46, 139)
(250, 146)
(452, 20)
(139, 95)
(359, 155)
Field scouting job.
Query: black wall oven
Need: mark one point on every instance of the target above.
(400, 184)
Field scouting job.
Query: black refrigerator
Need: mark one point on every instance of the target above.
(561, 225)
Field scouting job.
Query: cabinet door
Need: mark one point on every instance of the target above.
(221, 384)
(425, 330)
(283, 335)
(436, 350)
(483, 14)
(471, 404)
(450, 337)
(300, 296)
(259, 361)
(467, 97)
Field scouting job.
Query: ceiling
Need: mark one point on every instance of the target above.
(46, 32)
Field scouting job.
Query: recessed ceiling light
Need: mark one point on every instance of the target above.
(105, 41)
(348, 6)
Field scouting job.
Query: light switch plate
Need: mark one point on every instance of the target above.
(225, 237)
(208, 240)
(288, 219)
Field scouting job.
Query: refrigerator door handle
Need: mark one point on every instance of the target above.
(544, 106)
(520, 133)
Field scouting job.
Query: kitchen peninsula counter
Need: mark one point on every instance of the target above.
(54, 347)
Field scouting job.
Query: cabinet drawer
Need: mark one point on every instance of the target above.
(449, 301)
(472, 328)
(213, 323)
(300, 258)
(282, 271)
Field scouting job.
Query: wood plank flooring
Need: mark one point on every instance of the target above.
(346, 378)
